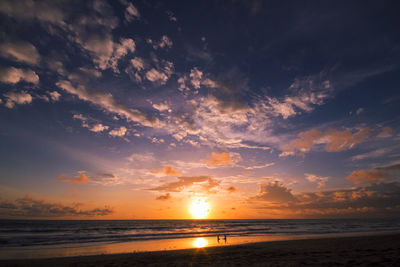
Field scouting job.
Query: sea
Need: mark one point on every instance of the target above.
(59, 238)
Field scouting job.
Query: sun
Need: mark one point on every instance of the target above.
(199, 208)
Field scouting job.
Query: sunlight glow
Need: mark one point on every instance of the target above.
(199, 208)
(200, 242)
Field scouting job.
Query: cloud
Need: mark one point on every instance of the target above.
(107, 102)
(167, 196)
(372, 154)
(371, 176)
(359, 111)
(344, 140)
(44, 11)
(167, 171)
(171, 16)
(29, 207)
(316, 179)
(385, 132)
(334, 140)
(55, 64)
(121, 131)
(105, 179)
(98, 128)
(17, 98)
(275, 193)
(304, 95)
(154, 75)
(90, 123)
(105, 52)
(162, 106)
(195, 76)
(258, 166)
(221, 159)
(204, 184)
(135, 69)
(13, 75)
(137, 63)
(231, 189)
(54, 95)
(81, 178)
(367, 176)
(377, 200)
(79, 117)
(165, 42)
(20, 51)
(131, 11)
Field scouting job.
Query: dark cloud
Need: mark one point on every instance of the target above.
(231, 189)
(388, 173)
(35, 208)
(231, 90)
(167, 196)
(275, 193)
(375, 200)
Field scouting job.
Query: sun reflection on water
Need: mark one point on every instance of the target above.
(200, 242)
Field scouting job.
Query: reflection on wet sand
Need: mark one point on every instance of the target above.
(138, 246)
(200, 242)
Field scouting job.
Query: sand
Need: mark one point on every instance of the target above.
(374, 250)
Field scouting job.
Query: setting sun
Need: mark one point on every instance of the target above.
(200, 208)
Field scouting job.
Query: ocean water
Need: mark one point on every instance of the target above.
(31, 233)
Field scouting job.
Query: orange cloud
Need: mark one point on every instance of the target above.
(334, 140)
(81, 178)
(168, 171)
(386, 132)
(203, 183)
(367, 176)
(219, 159)
(377, 175)
(343, 140)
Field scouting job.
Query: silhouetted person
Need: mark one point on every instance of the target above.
(218, 238)
(225, 238)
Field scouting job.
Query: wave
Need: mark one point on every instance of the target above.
(15, 233)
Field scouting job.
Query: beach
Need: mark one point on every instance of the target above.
(371, 250)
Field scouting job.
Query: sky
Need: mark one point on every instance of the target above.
(251, 109)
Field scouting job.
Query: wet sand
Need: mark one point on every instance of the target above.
(374, 250)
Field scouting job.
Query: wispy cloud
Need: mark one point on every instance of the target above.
(334, 140)
(107, 102)
(316, 179)
(203, 184)
(20, 51)
(81, 178)
(13, 75)
(371, 176)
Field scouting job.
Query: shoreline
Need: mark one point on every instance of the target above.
(154, 245)
(376, 248)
